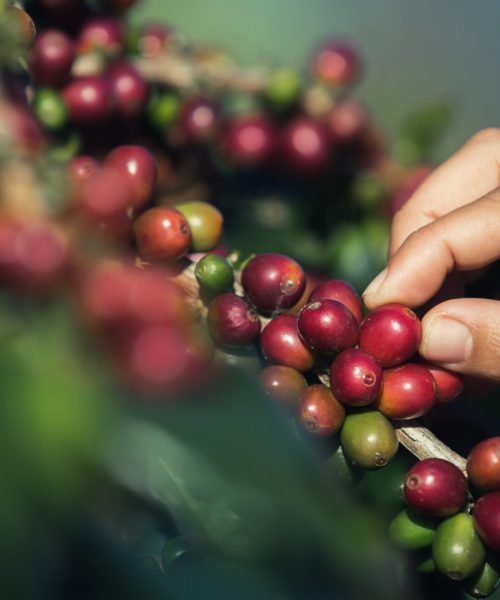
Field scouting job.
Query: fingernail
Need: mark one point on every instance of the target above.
(447, 341)
(375, 285)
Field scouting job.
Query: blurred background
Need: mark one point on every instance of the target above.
(414, 52)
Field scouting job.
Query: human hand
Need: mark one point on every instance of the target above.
(451, 223)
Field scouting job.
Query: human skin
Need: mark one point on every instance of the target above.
(449, 228)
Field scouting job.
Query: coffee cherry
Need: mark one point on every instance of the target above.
(51, 58)
(319, 412)
(214, 274)
(249, 141)
(341, 291)
(283, 384)
(305, 145)
(336, 63)
(129, 88)
(154, 38)
(162, 110)
(355, 377)
(205, 222)
(486, 515)
(19, 21)
(449, 385)
(82, 168)
(88, 99)
(273, 282)
(198, 119)
(346, 121)
(457, 549)
(483, 465)
(232, 321)
(283, 89)
(104, 34)
(103, 196)
(368, 439)
(282, 344)
(411, 530)
(137, 166)
(485, 582)
(391, 334)
(162, 234)
(408, 392)
(50, 109)
(342, 468)
(427, 566)
(436, 487)
(328, 326)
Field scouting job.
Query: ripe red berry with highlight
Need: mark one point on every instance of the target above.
(273, 282)
(486, 515)
(483, 465)
(249, 141)
(281, 344)
(341, 291)
(305, 145)
(104, 34)
(198, 119)
(137, 166)
(162, 234)
(328, 326)
(347, 121)
(336, 63)
(436, 487)
(129, 88)
(319, 412)
(88, 99)
(408, 392)
(51, 58)
(232, 321)
(391, 334)
(356, 378)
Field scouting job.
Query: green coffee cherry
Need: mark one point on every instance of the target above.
(283, 88)
(427, 566)
(485, 582)
(50, 109)
(457, 550)
(163, 109)
(341, 468)
(214, 275)
(411, 530)
(368, 439)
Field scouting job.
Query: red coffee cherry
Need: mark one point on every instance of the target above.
(483, 465)
(341, 291)
(103, 195)
(408, 391)
(273, 282)
(154, 38)
(51, 58)
(129, 88)
(436, 487)
(486, 514)
(137, 166)
(305, 145)
(449, 385)
(104, 34)
(319, 412)
(249, 141)
(282, 384)
(282, 344)
(82, 168)
(162, 234)
(199, 119)
(336, 63)
(391, 334)
(232, 321)
(89, 99)
(356, 377)
(328, 326)
(347, 121)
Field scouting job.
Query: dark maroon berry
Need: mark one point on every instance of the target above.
(305, 145)
(356, 377)
(341, 291)
(129, 88)
(273, 282)
(283, 384)
(137, 166)
(319, 412)
(391, 334)
(88, 99)
(328, 326)
(483, 465)
(51, 58)
(249, 141)
(232, 321)
(449, 385)
(281, 344)
(102, 34)
(198, 119)
(162, 234)
(436, 487)
(408, 392)
(336, 63)
(486, 514)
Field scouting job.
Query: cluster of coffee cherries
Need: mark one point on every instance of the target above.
(452, 522)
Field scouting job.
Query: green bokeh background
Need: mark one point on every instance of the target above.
(415, 50)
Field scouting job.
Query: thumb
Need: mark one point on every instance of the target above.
(464, 335)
